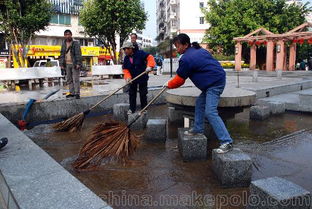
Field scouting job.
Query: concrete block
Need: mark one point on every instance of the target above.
(233, 168)
(278, 193)
(259, 112)
(175, 115)
(192, 147)
(12, 203)
(208, 131)
(156, 130)
(305, 98)
(120, 111)
(57, 190)
(140, 122)
(4, 190)
(277, 107)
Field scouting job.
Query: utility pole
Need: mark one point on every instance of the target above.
(170, 42)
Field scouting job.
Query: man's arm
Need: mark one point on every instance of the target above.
(78, 54)
(126, 71)
(62, 56)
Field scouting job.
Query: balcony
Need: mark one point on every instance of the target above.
(173, 15)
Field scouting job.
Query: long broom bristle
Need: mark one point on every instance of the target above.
(113, 140)
(72, 124)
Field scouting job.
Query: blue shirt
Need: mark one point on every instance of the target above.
(203, 70)
(138, 65)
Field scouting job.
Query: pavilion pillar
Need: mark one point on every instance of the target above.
(280, 55)
(292, 56)
(238, 56)
(253, 57)
(270, 56)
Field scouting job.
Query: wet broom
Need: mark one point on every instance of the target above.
(111, 139)
(75, 122)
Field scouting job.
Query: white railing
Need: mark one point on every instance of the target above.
(8, 74)
(166, 65)
(99, 70)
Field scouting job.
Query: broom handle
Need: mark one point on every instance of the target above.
(152, 101)
(108, 96)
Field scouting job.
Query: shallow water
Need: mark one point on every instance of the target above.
(157, 177)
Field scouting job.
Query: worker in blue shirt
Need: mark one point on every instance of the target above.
(135, 62)
(208, 75)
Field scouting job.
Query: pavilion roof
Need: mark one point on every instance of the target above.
(296, 33)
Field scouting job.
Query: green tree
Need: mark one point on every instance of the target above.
(151, 50)
(20, 19)
(104, 19)
(234, 18)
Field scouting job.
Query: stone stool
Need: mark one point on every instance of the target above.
(175, 115)
(277, 107)
(192, 147)
(259, 112)
(278, 193)
(140, 123)
(120, 111)
(233, 168)
(156, 130)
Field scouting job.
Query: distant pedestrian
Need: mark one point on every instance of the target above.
(310, 63)
(134, 38)
(159, 64)
(207, 75)
(302, 65)
(71, 60)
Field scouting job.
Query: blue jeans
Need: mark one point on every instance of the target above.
(206, 106)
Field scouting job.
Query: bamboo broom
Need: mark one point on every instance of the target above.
(111, 139)
(75, 122)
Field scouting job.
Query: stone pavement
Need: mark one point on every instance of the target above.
(33, 180)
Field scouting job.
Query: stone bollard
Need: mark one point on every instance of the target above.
(140, 123)
(156, 130)
(192, 147)
(279, 74)
(208, 131)
(174, 115)
(120, 111)
(278, 193)
(233, 168)
(259, 112)
(255, 76)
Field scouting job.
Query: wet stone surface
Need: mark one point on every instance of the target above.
(157, 177)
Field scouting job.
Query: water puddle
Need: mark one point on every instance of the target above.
(156, 176)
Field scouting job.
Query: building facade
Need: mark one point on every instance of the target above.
(181, 16)
(4, 52)
(47, 43)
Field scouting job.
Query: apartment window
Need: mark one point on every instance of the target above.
(201, 20)
(201, 4)
(61, 19)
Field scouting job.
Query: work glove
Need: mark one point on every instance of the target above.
(128, 80)
(148, 69)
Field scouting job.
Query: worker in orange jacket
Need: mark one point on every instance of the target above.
(135, 62)
(207, 75)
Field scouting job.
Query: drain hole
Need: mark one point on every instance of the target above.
(301, 87)
(267, 93)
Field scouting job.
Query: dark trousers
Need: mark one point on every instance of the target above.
(133, 95)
